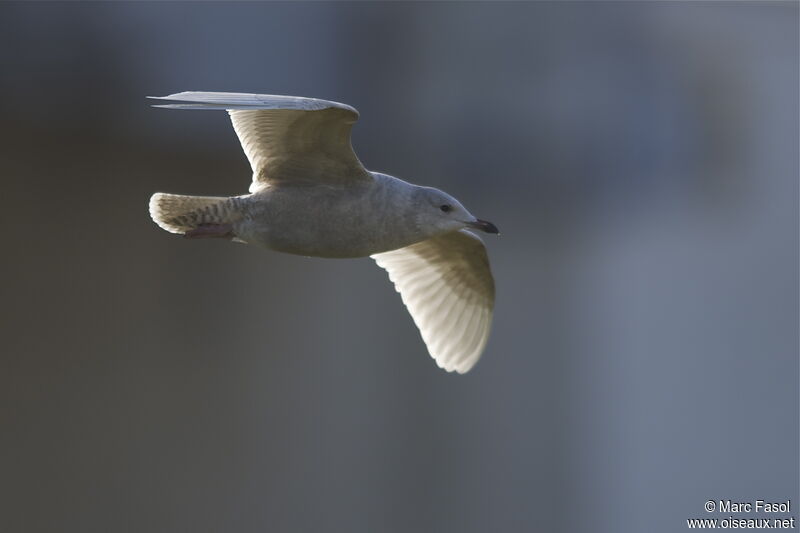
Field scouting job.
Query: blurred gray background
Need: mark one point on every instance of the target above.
(641, 160)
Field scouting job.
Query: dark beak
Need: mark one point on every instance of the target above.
(484, 225)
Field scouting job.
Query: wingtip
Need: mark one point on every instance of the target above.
(173, 96)
(168, 97)
(249, 101)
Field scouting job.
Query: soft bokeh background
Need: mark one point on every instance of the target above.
(641, 160)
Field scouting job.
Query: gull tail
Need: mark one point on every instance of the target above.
(178, 213)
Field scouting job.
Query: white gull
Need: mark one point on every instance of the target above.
(311, 196)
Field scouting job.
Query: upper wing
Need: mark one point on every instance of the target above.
(286, 138)
(447, 286)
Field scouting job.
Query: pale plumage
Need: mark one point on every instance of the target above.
(447, 286)
(282, 140)
(310, 195)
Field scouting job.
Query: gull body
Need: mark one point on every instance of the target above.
(338, 222)
(311, 196)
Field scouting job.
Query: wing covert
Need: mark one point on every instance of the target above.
(286, 138)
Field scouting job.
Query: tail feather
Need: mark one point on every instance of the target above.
(179, 213)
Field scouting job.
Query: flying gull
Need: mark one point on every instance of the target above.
(311, 196)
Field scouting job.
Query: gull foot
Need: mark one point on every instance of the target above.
(210, 231)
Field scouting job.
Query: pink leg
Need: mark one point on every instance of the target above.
(210, 231)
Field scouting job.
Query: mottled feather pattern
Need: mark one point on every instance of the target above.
(179, 213)
(293, 144)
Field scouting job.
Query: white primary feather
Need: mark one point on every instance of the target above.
(447, 286)
(286, 138)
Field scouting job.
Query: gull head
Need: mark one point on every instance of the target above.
(444, 213)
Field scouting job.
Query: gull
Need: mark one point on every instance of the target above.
(310, 195)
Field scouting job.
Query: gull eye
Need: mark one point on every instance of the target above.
(446, 208)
